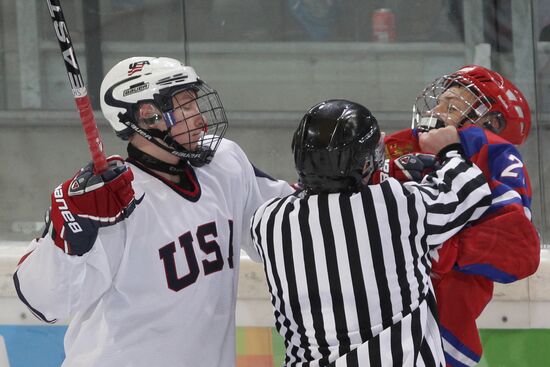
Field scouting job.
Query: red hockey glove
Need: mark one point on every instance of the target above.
(86, 202)
(408, 167)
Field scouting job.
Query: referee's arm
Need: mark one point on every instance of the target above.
(255, 226)
(453, 196)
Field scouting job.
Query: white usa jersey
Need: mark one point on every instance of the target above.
(159, 288)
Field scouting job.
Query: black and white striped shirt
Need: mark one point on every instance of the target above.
(348, 273)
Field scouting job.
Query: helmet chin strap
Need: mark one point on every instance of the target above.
(154, 163)
(174, 148)
(196, 159)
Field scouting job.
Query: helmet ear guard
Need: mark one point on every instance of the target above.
(374, 161)
(490, 125)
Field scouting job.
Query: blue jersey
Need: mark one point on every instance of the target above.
(502, 165)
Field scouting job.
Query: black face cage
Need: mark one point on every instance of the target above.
(424, 118)
(208, 108)
(204, 115)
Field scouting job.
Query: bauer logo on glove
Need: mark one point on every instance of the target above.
(88, 201)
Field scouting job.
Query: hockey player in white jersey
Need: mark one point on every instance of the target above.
(143, 259)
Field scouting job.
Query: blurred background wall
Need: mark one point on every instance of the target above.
(270, 61)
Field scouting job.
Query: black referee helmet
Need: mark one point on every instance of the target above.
(335, 141)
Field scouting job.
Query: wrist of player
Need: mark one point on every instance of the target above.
(72, 234)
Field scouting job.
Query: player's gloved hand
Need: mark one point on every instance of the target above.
(83, 204)
(408, 167)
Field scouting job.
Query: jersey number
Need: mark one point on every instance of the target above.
(507, 172)
(166, 253)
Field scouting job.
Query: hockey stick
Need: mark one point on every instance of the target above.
(77, 85)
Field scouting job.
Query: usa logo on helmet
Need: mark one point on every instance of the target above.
(136, 66)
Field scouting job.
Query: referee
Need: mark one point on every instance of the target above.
(347, 264)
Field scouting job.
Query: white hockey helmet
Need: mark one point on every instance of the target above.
(155, 80)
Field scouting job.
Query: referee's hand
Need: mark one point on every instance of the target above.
(436, 139)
